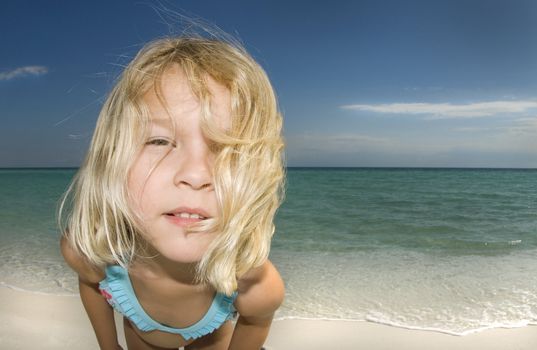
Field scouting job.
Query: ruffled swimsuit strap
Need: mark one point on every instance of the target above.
(118, 291)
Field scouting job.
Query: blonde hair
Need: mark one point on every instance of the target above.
(248, 171)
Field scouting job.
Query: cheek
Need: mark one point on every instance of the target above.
(134, 199)
(145, 180)
(136, 183)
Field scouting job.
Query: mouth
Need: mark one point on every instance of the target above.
(186, 216)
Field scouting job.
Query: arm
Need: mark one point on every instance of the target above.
(261, 292)
(101, 314)
(250, 333)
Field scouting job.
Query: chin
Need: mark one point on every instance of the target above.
(188, 257)
(179, 247)
(182, 251)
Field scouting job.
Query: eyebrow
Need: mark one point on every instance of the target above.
(166, 123)
(161, 121)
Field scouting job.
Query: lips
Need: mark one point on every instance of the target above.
(183, 211)
(185, 216)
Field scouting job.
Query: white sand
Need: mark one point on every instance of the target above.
(29, 321)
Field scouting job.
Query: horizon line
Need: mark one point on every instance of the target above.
(312, 167)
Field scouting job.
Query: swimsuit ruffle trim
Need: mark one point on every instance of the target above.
(113, 289)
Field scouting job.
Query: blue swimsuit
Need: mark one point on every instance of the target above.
(118, 291)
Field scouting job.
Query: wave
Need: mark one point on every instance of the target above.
(19, 289)
(520, 324)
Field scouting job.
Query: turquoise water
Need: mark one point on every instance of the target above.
(451, 250)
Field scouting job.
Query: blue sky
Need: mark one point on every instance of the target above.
(361, 83)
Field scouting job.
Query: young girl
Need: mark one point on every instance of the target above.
(172, 211)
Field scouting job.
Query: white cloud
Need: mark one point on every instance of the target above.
(75, 136)
(23, 71)
(475, 129)
(524, 126)
(336, 142)
(448, 110)
(518, 137)
(520, 126)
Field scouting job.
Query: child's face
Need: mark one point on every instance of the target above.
(181, 184)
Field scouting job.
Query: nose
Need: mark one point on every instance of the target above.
(195, 169)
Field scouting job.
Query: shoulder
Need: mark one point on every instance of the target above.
(85, 270)
(261, 291)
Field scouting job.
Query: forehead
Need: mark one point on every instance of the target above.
(173, 99)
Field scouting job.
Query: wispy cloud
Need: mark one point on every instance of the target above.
(520, 127)
(448, 110)
(336, 141)
(524, 126)
(339, 142)
(22, 72)
(76, 136)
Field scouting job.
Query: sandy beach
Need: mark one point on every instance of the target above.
(29, 320)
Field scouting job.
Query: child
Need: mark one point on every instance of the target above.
(172, 210)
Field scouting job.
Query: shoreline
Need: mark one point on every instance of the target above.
(410, 328)
(345, 335)
(60, 322)
(320, 319)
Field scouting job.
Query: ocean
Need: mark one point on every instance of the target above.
(447, 250)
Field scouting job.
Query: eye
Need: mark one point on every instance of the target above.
(158, 141)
